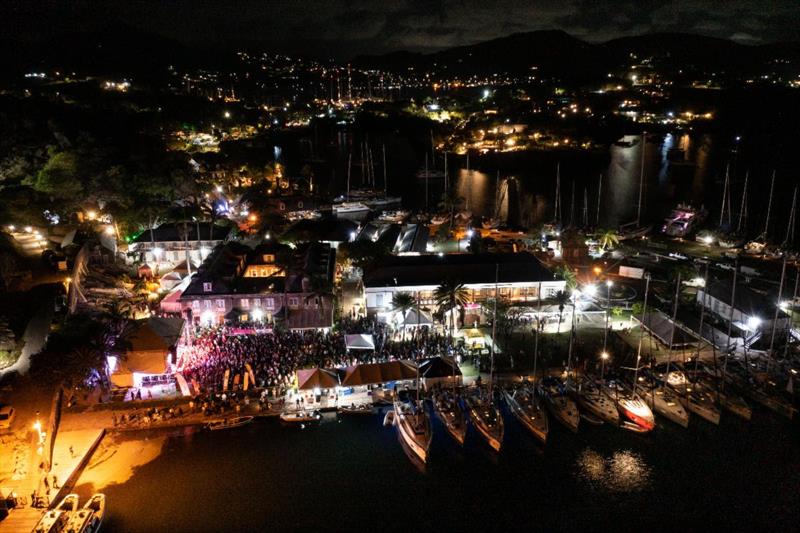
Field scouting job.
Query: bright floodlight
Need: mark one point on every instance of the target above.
(753, 323)
(258, 315)
(157, 252)
(708, 239)
(604, 356)
(609, 283)
(109, 230)
(590, 290)
(470, 233)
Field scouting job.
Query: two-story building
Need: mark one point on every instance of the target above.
(754, 311)
(516, 277)
(270, 283)
(165, 246)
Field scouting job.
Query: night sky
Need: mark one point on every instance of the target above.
(372, 26)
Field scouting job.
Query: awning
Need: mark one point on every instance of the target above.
(416, 318)
(360, 341)
(369, 374)
(311, 378)
(438, 367)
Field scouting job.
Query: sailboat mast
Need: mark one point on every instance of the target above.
(558, 194)
(724, 195)
(385, 183)
(743, 208)
(433, 152)
(585, 220)
(769, 205)
(702, 319)
(730, 324)
(571, 339)
(599, 191)
(790, 229)
(538, 322)
(494, 330)
(641, 184)
(349, 165)
(445, 173)
(641, 331)
(771, 355)
(672, 335)
(427, 178)
(572, 205)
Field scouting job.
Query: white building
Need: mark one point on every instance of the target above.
(519, 277)
(166, 245)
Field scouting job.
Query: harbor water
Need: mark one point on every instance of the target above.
(352, 472)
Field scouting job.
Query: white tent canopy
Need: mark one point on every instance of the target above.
(360, 341)
(415, 318)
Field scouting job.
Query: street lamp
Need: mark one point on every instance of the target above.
(609, 283)
(603, 358)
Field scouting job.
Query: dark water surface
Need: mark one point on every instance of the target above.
(353, 473)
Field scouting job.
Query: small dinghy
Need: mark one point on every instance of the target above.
(228, 423)
(353, 409)
(300, 417)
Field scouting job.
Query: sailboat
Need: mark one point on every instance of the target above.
(524, 405)
(449, 411)
(662, 400)
(634, 230)
(483, 411)
(589, 394)
(699, 399)
(413, 424)
(634, 412)
(555, 392)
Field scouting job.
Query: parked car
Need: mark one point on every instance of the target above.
(6, 416)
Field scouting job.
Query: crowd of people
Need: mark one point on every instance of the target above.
(273, 357)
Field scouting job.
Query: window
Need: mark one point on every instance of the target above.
(243, 318)
(244, 303)
(207, 304)
(221, 304)
(379, 300)
(207, 286)
(256, 303)
(294, 302)
(263, 272)
(195, 304)
(269, 258)
(270, 303)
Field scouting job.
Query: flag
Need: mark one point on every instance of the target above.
(252, 375)
(225, 380)
(246, 381)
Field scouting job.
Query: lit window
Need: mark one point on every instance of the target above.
(270, 303)
(245, 303)
(195, 304)
(221, 304)
(207, 287)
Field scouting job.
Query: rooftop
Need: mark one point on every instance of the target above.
(173, 232)
(431, 270)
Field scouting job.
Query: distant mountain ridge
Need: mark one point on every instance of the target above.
(558, 53)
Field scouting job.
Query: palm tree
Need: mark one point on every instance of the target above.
(609, 238)
(568, 275)
(451, 295)
(562, 299)
(403, 302)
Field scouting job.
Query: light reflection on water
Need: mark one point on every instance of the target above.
(618, 472)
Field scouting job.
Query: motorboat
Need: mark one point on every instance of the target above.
(57, 519)
(449, 411)
(628, 141)
(413, 427)
(438, 220)
(69, 504)
(682, 221)
(349, 208)
(634, 412)
(486, 418)
(526, 407)
(51, 522)
(300, 417)
(556, 398)
(430, 174)
(307, 214)
(228, 423)
(393, 216)
(592, 399)
(356, 409)
(89, 518)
